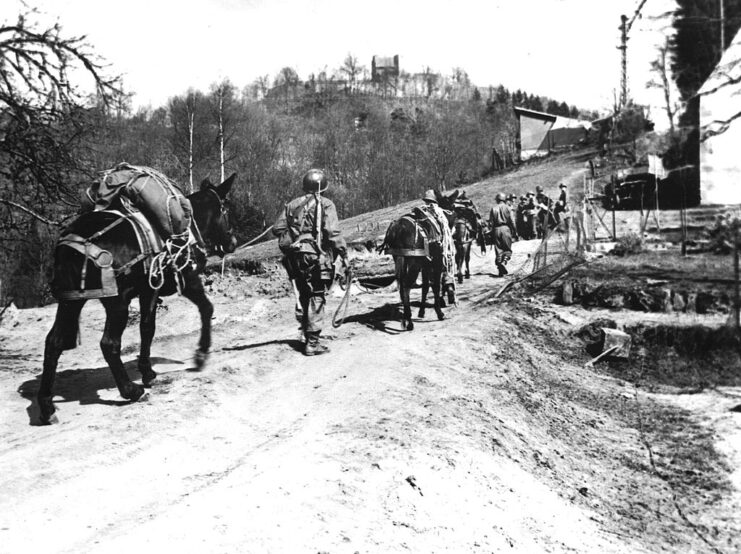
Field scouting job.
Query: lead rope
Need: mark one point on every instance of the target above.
(345, 302)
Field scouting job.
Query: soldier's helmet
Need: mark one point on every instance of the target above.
(430, 196)
(538, 189)
(500, 197)
(315, 181)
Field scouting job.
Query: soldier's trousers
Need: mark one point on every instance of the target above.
(503, 244)
(312, 284)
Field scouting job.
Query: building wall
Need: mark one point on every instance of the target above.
(720, 159)
(533, 133)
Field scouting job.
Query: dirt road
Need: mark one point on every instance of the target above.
(482, 432)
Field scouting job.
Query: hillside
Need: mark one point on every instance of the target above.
(483, 432)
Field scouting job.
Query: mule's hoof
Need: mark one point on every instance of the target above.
(440, 316)
(148, 377)
(409, 325)
(421, 313)
(200, 358)
(46, 411)
(135, 393)
(48, 420)
(467, 275)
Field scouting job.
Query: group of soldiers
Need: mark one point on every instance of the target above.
(310, 240)
(533, 217)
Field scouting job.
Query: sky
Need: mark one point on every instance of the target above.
(563, 49)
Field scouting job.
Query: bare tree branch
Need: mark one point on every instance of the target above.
(29, 212)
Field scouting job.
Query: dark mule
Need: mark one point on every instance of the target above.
(466, 229)
(414, 242)
(210, 219)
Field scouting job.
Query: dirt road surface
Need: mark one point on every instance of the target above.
(480, 433)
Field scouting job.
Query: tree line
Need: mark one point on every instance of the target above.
(377, 151)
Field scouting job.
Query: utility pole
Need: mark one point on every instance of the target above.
(722, 28)
(625, 25)
(623, 61)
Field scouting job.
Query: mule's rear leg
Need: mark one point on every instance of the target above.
(193, 291)
(423, 298)
(404, 281)
(117, 315)
(62, 336)
(148, 311)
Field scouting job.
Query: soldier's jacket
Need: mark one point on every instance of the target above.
(295, 227)
(501, 215)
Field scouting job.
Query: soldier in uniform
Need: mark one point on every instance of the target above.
(436, 213)
(562, 212)
(310, 239)
(502, 228)
(544, 215)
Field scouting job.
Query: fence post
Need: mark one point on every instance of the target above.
(737, 286)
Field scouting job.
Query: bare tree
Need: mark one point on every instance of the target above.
(660, 67)
(352, 68)
(224, 110)
(183, 111)
(45, 113)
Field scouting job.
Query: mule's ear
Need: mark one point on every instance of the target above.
(206, 183)
(224, 188)
(454, 196)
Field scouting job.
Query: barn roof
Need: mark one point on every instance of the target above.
(535, 115)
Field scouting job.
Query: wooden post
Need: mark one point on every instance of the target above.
(737, 286)
(614, 233)
(658, 212)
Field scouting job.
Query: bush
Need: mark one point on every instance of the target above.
(631, 243)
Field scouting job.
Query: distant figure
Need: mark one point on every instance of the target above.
(502, 230)
(309, 237)
(562, 212)
(544, 212)
(531, 216)
(520, 218)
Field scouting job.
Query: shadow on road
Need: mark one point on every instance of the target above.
(82, 385)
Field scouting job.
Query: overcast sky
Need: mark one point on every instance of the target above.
(564, 49)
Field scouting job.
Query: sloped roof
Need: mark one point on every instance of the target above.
(534, 114)
(559, 122)
(728, 68)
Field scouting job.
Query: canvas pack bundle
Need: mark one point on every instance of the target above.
(127, 187)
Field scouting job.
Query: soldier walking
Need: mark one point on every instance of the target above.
(502, 229)
(310, 239)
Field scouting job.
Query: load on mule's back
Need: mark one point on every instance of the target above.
(128, 187)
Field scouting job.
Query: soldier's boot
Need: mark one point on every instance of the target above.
(502, 270)
(313, 347)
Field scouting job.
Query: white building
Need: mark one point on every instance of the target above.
(720, 153)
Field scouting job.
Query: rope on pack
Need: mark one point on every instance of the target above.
(177, 254)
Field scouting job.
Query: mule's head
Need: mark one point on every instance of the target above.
(212, 217)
